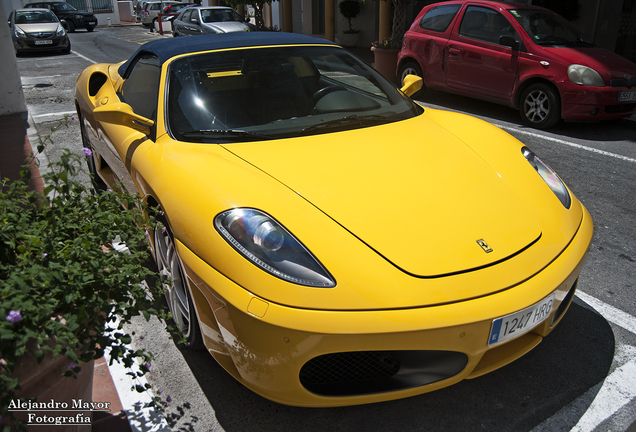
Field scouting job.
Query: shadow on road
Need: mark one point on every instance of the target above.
(609, 130)
(518, 397)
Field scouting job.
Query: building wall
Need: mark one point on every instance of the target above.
(11, 95)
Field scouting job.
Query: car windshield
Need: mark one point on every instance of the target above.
(64, 7)
(260, 93)
(220, 15)
(546, 28)
(34, 17)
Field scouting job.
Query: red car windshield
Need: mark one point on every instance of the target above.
(546, 28)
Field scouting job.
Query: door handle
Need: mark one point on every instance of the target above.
(454, 52)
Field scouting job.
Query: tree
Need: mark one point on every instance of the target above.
(398, 26)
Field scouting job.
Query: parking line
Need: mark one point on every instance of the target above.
(608, 397)
(618, 389)
(84, 57)
(610, 313)
(568, 143)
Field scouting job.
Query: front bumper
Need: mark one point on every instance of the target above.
(302, 357)
(595, 103)
(31, 44)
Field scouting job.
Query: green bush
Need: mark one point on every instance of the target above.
(62, 284)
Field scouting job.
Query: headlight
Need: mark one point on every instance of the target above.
(60, 31)
(549, 176)
(19, 33)
(263, 241)
(583, 75)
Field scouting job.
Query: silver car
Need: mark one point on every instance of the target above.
(37, 29)
(209, 19)
(150, 12)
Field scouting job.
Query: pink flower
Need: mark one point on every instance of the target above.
(87, 152)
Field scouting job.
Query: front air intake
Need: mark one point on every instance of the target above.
(367, 372)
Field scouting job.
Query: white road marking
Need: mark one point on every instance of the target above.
(84, 57)
(608, 397)
(568, 143)
(141, 417)
(610, 313)
(55, 114)
(618, 389)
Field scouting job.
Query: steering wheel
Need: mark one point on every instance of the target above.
(325, 91)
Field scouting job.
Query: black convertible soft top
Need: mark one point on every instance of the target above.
(166, 48)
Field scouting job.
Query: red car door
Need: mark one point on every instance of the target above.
(428, 38)
(475, 61)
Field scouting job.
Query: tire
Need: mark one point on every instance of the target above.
(71, 26)
(67, 50)
(98, 184)
(540, 106)
(90, 28)
(176, 285)
(412, 68)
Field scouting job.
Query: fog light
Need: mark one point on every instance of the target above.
(595, 111)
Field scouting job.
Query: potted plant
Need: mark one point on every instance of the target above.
(63, 285)
(350, 10)
(385, 58)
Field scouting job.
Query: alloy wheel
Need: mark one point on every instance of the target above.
(173, 279)
(536, 106)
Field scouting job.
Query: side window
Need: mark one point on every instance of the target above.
(485, 25)
(186, 16)
(141, 88)
(439, 18)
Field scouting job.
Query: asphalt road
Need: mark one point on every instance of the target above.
(582, 377)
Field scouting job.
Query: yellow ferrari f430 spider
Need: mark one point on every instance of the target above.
(327, 239)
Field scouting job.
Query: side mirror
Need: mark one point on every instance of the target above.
(122, 114)
(509, 41)
(412, 84)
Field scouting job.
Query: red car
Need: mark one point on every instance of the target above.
(526, 57)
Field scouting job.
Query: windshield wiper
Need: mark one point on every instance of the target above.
(225, 133)
(368, 120)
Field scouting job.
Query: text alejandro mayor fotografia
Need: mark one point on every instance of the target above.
(39, 413)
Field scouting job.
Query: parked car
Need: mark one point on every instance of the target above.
(166, 21)
(280, 168)
(37, 30)
(64, 11)
(209, 20)
(150, 11)
(175, 8)
(522, 56)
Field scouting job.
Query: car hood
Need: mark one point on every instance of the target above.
(423, 201)
(39, 27)
(608, 64)
(227, 27)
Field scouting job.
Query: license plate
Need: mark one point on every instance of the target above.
(520, 322)
(626, 96)
(92, 23)
(44, 42)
